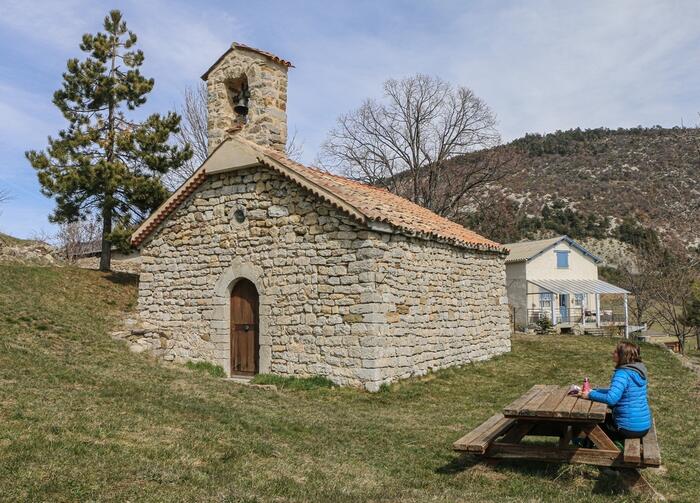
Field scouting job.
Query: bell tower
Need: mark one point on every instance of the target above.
(247, 96)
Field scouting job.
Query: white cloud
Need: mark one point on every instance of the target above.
(181, 41)
(58, 24)
(27, 118)
(598, 63)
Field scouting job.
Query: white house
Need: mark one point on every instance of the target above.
(557, 278)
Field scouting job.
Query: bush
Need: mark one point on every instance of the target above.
(294, 383)
(544, 325)
(643, 238)
(206, 367)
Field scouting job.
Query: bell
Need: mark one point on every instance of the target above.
(241, 106)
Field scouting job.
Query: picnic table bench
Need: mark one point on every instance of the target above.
(549, 411)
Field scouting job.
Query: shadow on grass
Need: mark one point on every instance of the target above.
(122, 278)
(458, 464)
(607, 481)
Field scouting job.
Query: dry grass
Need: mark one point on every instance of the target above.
(83, 419)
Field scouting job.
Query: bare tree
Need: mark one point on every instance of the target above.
(294, 147)
(413, 141)
(495, 216)
(4, 196)
(194, 132)
(76, 239)
(637, 276)
(672, 291)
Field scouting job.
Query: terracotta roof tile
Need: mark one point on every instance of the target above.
(276, 59)
(380, 205)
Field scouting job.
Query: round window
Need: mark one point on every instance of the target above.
(239, 215)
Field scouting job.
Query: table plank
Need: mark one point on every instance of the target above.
(532, 406)
(517, 432)
(598, 457)
(633, 450)
(514, 407)
(480, 437)
(564, 408)
(581, 408)
(600, 438)
(549, 406)
(598, 411)
(650, 446)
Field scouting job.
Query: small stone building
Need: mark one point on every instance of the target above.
(263, 265)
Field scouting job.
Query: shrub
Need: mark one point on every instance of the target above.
(544, 325)
(643, 238)
(206, 367)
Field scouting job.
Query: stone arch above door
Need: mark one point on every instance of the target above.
(221, 321)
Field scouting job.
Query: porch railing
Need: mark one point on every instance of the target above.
(575, 315)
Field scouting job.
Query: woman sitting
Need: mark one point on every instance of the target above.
(627, 394)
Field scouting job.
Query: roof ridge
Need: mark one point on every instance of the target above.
(363, 201)
(238, 45)
(523, 241)
(273, 57)
(319, 170)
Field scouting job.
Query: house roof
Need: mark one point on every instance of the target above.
(377, 208)
(526, 250)
(237, 45)
(574, 286)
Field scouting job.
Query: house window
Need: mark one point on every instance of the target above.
(579, 299)
(562, 259)
(545, 300)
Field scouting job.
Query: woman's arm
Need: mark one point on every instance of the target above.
(613, 394)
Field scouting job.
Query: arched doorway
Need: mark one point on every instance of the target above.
(245, 345)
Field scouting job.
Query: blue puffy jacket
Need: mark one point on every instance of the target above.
(627, 396)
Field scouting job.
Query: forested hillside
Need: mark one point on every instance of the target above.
(587, 183)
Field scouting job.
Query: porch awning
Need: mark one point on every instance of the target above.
(573, 286)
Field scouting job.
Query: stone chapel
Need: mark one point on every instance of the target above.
(262, 265)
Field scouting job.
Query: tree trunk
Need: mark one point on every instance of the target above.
(697, 338)
(106, 256)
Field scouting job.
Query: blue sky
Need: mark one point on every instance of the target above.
(541, 65)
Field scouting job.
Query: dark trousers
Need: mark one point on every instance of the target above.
(620, 434)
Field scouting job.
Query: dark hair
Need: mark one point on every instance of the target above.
(627, 352)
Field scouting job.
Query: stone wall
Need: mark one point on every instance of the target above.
(266, 122)
(302, 255)
(336, 299)
(444, 306)
(130, 264)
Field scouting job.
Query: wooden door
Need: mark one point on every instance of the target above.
(244, 328)
(564, 308)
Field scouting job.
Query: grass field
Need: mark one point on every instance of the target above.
(83, 419)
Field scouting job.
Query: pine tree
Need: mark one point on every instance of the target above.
(103, 161)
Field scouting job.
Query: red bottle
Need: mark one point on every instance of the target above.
(586, 385)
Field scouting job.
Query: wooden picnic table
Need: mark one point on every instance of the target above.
(548, 410)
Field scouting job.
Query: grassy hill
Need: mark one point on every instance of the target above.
(84, 419)
(7, 240)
